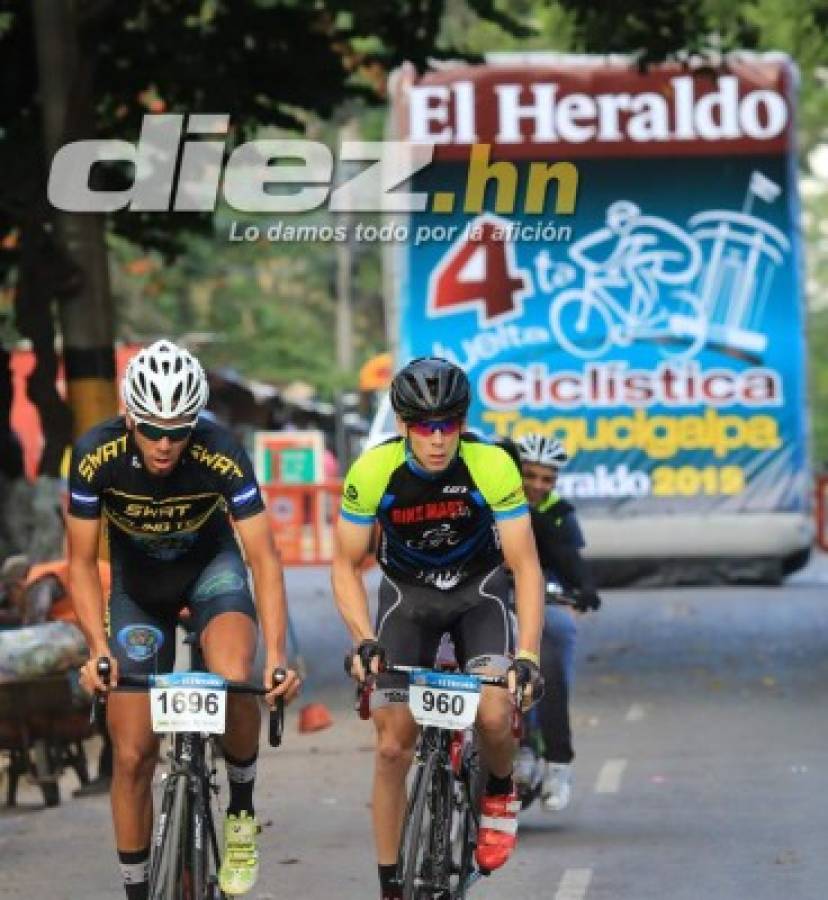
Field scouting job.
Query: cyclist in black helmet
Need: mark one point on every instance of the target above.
(450, 508)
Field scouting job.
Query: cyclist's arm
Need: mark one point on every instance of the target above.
(351, 544)
(268, 582)
(559, 541)
(83, 536)
(520, 555)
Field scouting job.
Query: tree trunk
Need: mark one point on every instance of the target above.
(86, 312)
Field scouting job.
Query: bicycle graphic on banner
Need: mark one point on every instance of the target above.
(645, 278)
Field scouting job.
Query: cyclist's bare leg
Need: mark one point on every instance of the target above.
(135, 753)
(229, 646)
(396, 738)
(494, 729)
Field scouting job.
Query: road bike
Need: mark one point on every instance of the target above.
(436, 858)
(191, 706)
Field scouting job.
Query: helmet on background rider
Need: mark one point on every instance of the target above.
(430, 386)
(543, 451)
(164, 381)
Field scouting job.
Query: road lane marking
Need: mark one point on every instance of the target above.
(609, 778)
(574, 884)
(636, 713)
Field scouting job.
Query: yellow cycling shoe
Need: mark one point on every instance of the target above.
(240, 860)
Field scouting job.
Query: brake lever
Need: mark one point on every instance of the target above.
(277, 714)
(104, 669)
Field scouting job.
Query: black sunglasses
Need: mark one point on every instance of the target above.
(176, 433)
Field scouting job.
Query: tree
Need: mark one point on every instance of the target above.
(261, 61)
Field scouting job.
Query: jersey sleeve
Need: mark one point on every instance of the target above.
(365, 483)
(498, 480)
(571, 531)
(238, 484)
(85, 481)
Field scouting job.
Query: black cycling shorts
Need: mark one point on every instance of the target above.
(412, 619)
(142, 634)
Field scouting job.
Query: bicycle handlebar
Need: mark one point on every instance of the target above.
(364, 689)
(140, 680)
(493, 680)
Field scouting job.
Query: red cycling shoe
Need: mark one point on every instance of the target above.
(497, 837)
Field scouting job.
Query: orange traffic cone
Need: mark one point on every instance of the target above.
(314, 717)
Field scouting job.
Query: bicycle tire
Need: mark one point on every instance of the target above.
(472, 782)
(413, 837)
(167, 869)
(197, 850)
(441, 806)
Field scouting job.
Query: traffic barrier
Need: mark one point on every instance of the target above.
(302, 517)
(822, 511)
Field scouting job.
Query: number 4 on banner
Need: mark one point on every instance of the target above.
(480, 271)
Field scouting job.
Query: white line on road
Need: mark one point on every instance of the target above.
(609, 778)
(636, 713)
(574, 884)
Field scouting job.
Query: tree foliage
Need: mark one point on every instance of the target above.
(297, 64)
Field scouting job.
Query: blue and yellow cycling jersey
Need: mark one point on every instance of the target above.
(437, 529)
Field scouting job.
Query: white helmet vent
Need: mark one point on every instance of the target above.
(544, 451)
(164, 381)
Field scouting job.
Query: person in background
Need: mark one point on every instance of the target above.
(12, 574)
(559, 542)
(40, 593)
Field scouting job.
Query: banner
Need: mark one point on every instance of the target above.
(614, 258)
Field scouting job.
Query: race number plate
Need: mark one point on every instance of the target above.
(444, 699)
(188, 701)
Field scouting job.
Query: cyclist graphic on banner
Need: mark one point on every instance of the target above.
(646, 278)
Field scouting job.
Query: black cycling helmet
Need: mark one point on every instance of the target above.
(430, 386)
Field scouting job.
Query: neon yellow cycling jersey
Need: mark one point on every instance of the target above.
(436, 528)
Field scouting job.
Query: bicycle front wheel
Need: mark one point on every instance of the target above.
(414, 864)
(468, 794)
(166, 871)
(197, 864)
(580, 324)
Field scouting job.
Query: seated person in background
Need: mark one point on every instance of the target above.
(39, 593)
(12, 574)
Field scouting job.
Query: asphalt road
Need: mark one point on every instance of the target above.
(701, 733)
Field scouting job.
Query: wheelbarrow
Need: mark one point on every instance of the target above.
(43, 724)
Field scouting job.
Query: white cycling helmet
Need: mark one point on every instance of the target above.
(544, 451)
(166, 382)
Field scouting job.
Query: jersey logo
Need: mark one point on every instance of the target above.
(245, 495)
(140, 641)
(455, 489)
(443, 581)
(97, 457)
(218, 462)
(83, 498)
(434, 538)
(351, 493)
(220, 583)
(430, 512)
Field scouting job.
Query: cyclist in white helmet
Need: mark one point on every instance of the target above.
(166, 479)
(548, 767)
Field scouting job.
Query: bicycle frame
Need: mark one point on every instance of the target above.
(438, 860)
(185, 852)
(445, 787)
(180, 865)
